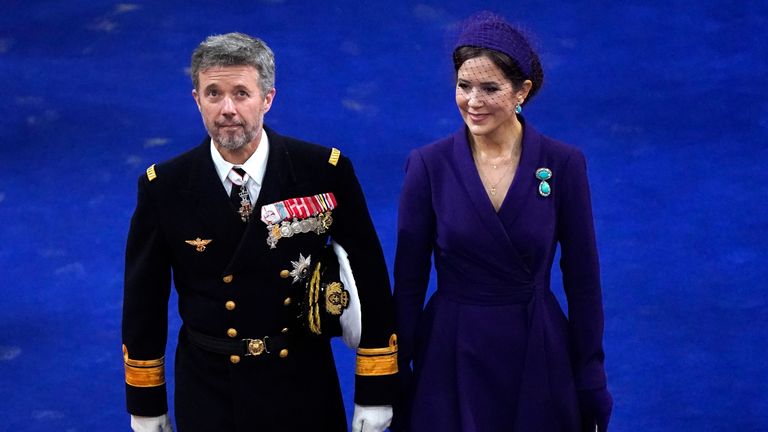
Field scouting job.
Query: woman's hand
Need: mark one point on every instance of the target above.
(595, 406)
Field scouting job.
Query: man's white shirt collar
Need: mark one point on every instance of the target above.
(255, 166)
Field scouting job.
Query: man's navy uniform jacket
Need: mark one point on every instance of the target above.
(233, 287)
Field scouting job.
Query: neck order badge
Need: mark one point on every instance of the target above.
(239, 195)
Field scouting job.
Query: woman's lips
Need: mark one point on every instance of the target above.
(477, 117)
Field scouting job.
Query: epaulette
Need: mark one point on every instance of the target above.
(335, 154)
(151, 175)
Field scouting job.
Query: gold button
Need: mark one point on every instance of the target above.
(230, 305)
(283, 353)
(285, 330)
(232, 333)
(227, 278)
(287, 301)
(284, 274)
(234, 359)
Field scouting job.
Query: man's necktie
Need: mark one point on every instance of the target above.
(239, 197)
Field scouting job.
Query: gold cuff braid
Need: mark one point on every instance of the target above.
(144, 373)
(377, 361)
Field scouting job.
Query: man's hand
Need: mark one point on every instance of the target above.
(371, 418)
(151, 424)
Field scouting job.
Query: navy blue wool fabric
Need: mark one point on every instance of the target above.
(668, 100)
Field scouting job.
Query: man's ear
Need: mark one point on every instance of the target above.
(268, 99)
(196, 96)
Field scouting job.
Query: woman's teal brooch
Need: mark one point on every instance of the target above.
(544, 174)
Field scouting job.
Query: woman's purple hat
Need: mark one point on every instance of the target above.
(487, 30)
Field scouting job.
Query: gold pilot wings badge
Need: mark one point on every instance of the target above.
(198, 243)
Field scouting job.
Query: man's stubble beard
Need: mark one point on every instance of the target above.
(234, 141)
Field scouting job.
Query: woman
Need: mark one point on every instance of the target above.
(492, 350)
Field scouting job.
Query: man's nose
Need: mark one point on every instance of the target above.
(228, 107)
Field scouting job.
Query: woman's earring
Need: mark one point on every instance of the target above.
(518, 108)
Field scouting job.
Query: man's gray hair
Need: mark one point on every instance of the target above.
(235, 49)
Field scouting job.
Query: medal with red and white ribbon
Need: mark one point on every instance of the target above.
(298, 215)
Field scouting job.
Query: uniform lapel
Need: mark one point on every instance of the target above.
(277, 185)
(210, 199)
(279, 176)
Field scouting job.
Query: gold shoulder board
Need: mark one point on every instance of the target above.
(151, 173)
(334, 159)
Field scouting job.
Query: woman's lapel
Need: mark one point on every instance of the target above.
(496, 224)
(476, 194)
(524, 184)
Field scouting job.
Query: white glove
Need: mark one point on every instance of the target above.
(151, 424)
(371, 418)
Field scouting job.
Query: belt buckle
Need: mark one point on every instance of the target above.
(256, 347)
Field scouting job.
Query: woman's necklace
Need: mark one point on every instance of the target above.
(491, 184)
(495, 163)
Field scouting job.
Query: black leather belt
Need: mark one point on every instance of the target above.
(242, 347)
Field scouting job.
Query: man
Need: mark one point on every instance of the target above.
(240, 223)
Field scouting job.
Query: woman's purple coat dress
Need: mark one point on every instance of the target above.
(492, 350)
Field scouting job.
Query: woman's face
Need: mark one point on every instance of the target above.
(485, 97)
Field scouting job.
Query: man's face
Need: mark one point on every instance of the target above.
(232, 104)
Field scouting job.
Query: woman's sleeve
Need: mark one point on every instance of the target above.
(415, 236)
(581, 274)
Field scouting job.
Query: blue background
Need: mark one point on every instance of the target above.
(668, 99)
